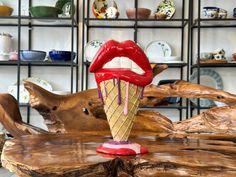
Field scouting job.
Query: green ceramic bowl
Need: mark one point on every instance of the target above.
(44, 11)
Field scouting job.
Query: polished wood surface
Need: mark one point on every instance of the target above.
(11, 119)
(74, 155)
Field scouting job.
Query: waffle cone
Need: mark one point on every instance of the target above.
(120, 124)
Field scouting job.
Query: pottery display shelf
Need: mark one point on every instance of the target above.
(71, 155)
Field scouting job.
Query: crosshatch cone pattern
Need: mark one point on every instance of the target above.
(120, 124)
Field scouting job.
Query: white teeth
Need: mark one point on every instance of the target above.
(134, 65)
(137, 70)
(114, 63)
(124, 62)
(106, 65)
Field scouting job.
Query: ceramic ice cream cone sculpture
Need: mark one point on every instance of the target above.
(122, 70)
(121, 100)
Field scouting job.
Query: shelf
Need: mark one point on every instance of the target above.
(219, 65)
(23, 63)
(131, 23)
(164, 107)
(24, 105)
(174, 65)
(196, 107)
(170, 65)
(37, 22)
(215, 23)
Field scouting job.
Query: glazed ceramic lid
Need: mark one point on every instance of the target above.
(166, 7)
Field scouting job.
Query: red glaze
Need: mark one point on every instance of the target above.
(123, 74)
(112, 49)
(121, 151)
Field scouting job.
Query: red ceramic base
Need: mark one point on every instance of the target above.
(123, 148)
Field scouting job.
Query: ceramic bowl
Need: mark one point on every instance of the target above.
(210, 12)
(44, 11)
(142, 13)
(32, 55)
(61, 56)
(5, 10)
(160, 15)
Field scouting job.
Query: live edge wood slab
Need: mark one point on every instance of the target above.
(203, 145)
(73, 155)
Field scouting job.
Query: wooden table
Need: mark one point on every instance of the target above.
(72, 155)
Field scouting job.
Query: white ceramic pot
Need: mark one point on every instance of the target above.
(5, 44)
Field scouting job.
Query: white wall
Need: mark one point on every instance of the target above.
(59, 38)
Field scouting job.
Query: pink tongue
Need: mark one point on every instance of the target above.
(105, 89)
(126, 99)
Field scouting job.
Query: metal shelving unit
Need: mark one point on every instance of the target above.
(135, 24)
(30, 22)
(197, 25)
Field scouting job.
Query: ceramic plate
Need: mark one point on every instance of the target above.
(166, 7)
(211, 78)
(157, 50)
(91, 49)
(24, 94)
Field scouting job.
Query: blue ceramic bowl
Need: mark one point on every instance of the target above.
(63, 56)
(32, 55)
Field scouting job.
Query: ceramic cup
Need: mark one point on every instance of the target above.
(5, 44)
(211, 12)
(219, 54)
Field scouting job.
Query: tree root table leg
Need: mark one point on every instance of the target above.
(72, 155)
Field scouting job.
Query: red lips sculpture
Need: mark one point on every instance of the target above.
(124, 85)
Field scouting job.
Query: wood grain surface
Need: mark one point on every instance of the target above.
(72, 155)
